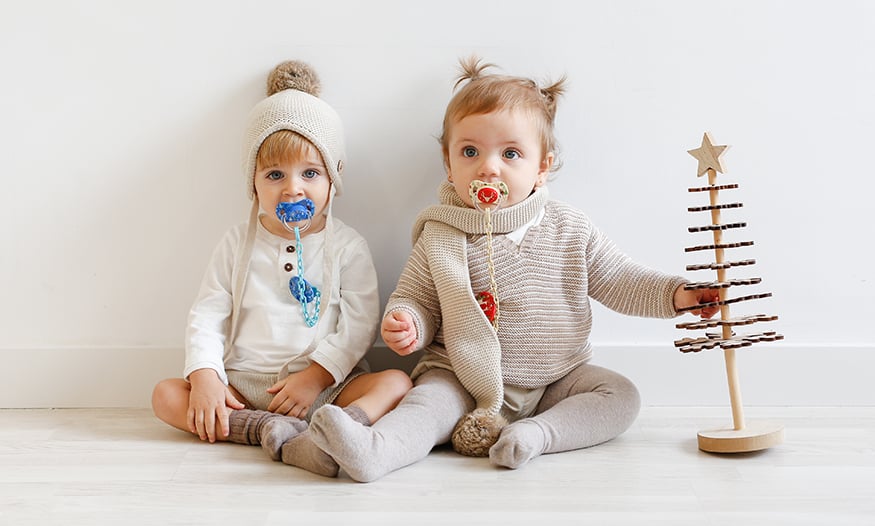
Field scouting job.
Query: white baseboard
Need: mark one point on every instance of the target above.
(85, 377)
(774, 375)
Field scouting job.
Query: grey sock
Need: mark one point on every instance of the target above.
(278, 431)
(519, 443)
(270, 430)
(303, 453)
(245, 426)
(357, 414)
(425, 417)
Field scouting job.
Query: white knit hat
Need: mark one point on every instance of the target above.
(293, 104)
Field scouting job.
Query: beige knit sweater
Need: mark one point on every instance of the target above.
(544, 285)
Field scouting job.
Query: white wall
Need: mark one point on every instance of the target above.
(120, 126)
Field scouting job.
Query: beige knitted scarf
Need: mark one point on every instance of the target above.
(470, 340)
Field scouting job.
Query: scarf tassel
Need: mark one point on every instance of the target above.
(477, 431)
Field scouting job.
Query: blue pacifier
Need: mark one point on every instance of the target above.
(297, 212)
(487, 196)
(302, 290)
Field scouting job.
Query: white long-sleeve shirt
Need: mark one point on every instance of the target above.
(271, 330)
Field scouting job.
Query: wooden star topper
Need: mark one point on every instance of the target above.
(708, 155)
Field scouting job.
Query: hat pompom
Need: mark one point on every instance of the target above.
(476, 432)
(296, 75)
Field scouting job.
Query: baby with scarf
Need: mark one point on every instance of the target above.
(496, 295)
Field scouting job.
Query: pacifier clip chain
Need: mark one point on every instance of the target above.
(488, 197)
(301, 289)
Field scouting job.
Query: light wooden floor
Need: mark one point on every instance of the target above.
(123, 467)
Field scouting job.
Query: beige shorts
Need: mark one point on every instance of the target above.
(519, 402)
(253, 387)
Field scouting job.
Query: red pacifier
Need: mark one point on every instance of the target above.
(487, 196)
(487, 302)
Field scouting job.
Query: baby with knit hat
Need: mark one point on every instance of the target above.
(496, 295)
(289, 304)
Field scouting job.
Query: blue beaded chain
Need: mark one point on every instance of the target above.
(299, 287)
(302, 290)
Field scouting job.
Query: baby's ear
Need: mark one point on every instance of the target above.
(544, 169)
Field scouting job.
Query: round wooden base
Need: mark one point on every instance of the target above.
(754, 437)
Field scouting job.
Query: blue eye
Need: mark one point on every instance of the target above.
(275, 175)
(310, 174)
(511, 154)
(469, 151)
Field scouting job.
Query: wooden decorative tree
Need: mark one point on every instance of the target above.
(742, 436)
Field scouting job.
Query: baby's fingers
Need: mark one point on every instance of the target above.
(404, 351)
(210, 425)
(231, 400)
(190, 420)
(399, 340)
(277, 387)
(394, 325)
(200, 424)
(710, 311)
(223, 423)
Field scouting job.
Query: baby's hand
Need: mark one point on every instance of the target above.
(399, 332)
(690, 298)
(293, 395)
(210, 403)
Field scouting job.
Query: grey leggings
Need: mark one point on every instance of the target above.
(588, 406)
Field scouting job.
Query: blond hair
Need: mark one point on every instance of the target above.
(488, 92)
(281, 146)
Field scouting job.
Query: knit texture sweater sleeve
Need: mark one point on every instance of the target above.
(416, 295)
(625, 286)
